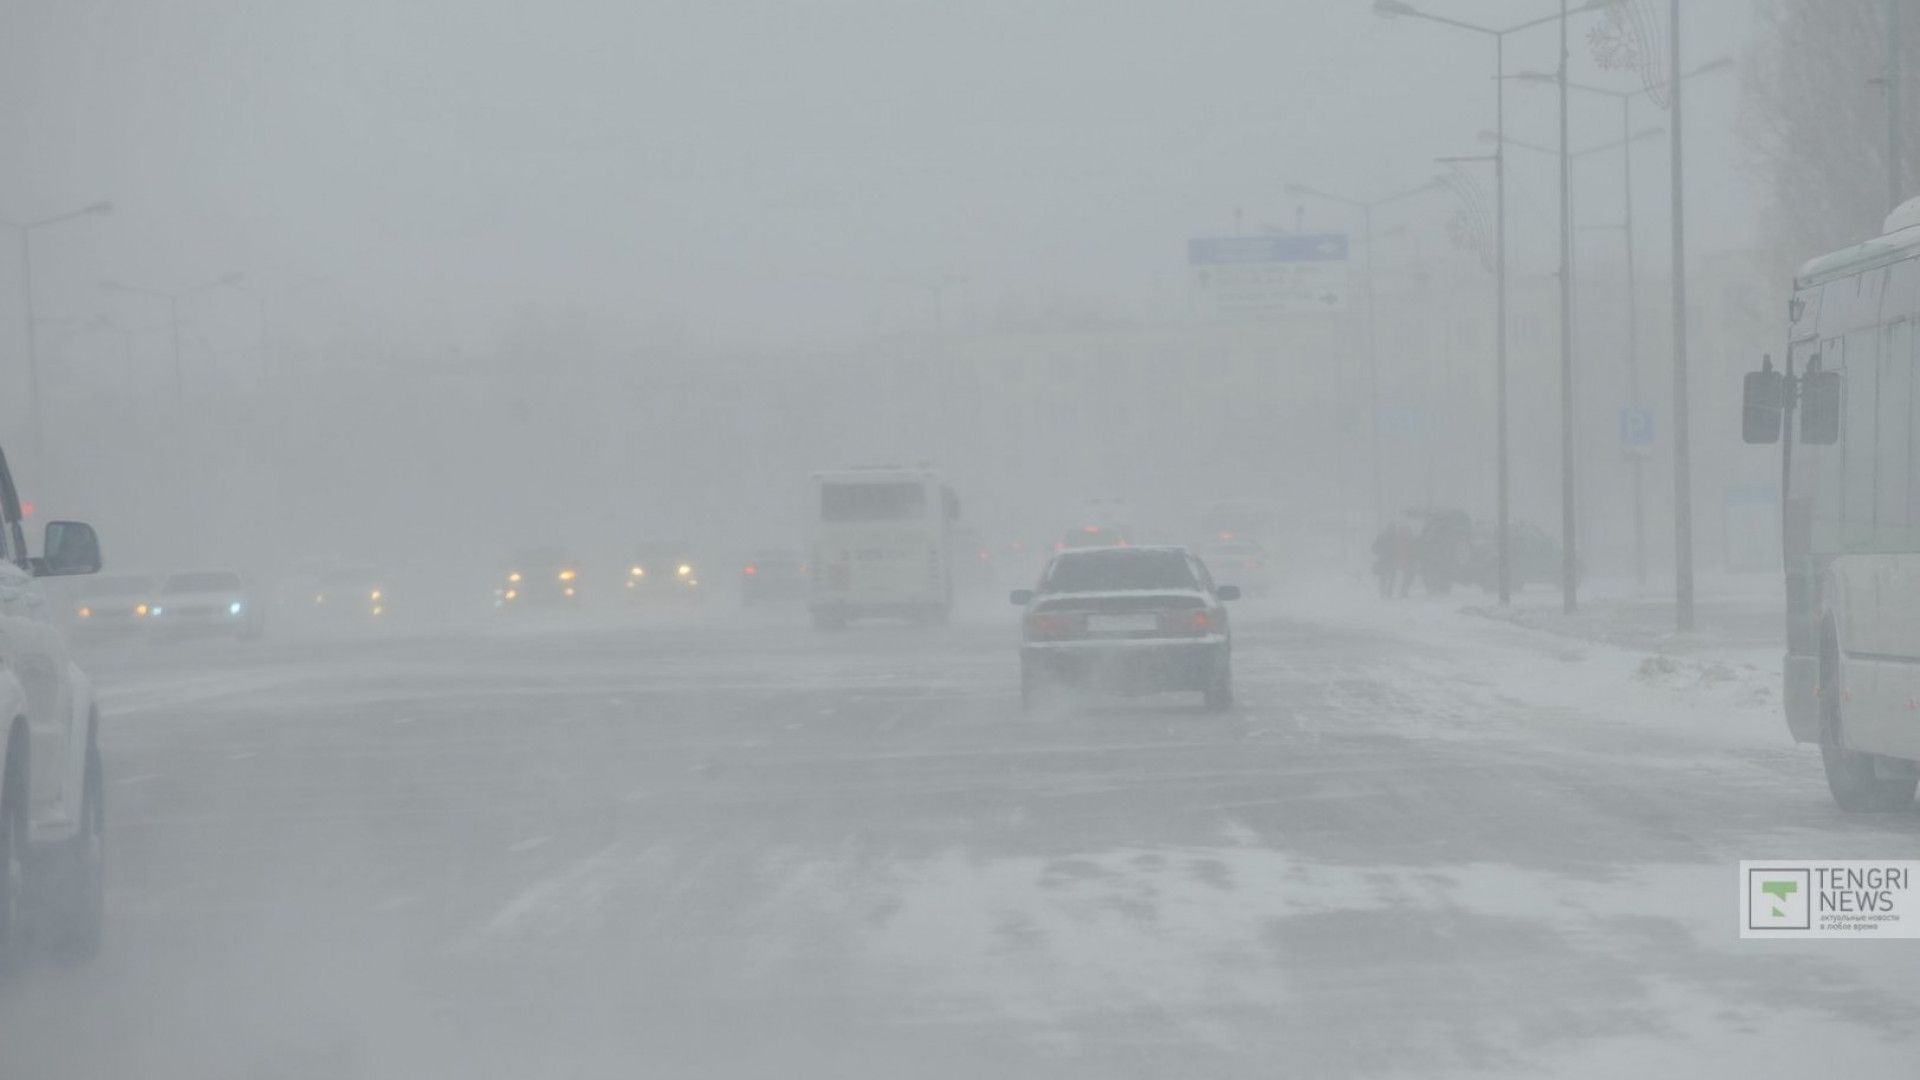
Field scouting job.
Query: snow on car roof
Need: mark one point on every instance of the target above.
(1108, 552)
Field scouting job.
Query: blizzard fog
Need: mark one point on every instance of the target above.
(509, 355)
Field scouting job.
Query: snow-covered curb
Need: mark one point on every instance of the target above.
(1721, 693)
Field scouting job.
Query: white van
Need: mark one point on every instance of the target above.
(882, 546)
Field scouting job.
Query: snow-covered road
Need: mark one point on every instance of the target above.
(1423, 844)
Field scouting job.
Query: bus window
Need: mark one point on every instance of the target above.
(1856, 433)
(1895, 392)
(888, 501)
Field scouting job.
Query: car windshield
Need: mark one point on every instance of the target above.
(1119, 569)
(120, 585)
(202, 581)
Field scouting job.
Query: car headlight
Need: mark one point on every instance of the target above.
(514, 577)
(374, 595)
(141, 610)
(156, 609)
(567, 575)
(685, 569)
(511, 593)
(233, 608)
(638, 571)
(86, 613)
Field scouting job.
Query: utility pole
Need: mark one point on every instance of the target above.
(1502, 541)
(1633, 344)
(1893, 104)
(1569, 584)
(1682, 467)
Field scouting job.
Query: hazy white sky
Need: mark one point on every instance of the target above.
(760, 171)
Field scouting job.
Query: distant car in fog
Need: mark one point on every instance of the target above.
(112, 605)
(538, 576)
(1135, 620)
(355, 594)
(773, 576)
(974, 565)
(1092, 536)
(664, 571)
(1243, 562)
(1533, 556)
(205, 603)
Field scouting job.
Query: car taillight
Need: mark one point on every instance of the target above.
(750, 571)
(1188, 623)
(1052, 626)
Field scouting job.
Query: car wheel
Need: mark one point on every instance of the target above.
(1857, 788)
(80, 905)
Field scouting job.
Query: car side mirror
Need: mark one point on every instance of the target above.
(1820, 408)
(1228, 592)
(1765, 401)
(1021, 597)
(71, 548)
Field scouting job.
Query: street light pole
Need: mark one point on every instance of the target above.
(172, 300)
(1627, 139)
(1569, 596)
(1502, 543)
(1682, 464)
(25, 230)
(1366, 208)
(1893, 104)
(1390, 8)
(1633, 342)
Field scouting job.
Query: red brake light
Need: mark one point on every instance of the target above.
(1047, 626)
(1195, 623)
(1090, 528)
(751, 571)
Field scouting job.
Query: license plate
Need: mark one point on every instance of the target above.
(1116, 624)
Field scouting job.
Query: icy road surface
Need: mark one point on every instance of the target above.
(1422, 844)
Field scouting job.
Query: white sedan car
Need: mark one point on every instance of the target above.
(205, 603)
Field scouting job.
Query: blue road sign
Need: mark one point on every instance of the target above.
(1219, 250)
(1636, 427)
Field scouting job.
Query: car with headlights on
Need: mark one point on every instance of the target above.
(351, 594)
(663, 572)
(538, 577)
(205, 603)
(111, 605)
(1132, 620)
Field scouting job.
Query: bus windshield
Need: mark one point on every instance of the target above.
(898, 500)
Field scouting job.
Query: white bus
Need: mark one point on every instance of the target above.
(1850, 502)
(882, 546)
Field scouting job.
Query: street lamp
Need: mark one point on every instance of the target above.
(1625, 98)
(25, 230)
(1366, 208)
(172, 300)
(1394, 8)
